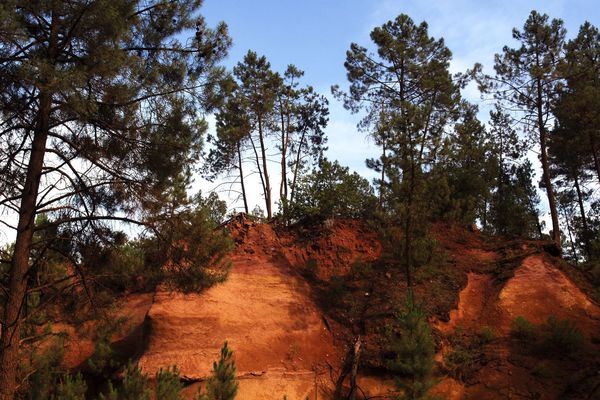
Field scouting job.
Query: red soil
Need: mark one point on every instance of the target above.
(281, 339)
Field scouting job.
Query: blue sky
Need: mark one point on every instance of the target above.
(314, 35)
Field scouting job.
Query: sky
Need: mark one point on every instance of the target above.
(315, 35)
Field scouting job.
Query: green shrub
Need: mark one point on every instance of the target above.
(111, 393)
(522, 329)
(336, 293)
(486, 335)
(561, 337)
(461, 361)
(312, 268)
(540, 370)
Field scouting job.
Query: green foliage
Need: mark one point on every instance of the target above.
(561, 338)
(556, 338)
(468, 168)
(522, 329)
(111, 393)
(121, 266)
(168, 384)
(222, 385)
(336, 293)
(414, 349)
(462, 360)
(134, 384)
(330, 192)
(47, 369)
(486, 335)
(311, 268)
(526, 84)
(103, 360)
(189, 254)
(71, 388)
(541, 370)
(512, 206)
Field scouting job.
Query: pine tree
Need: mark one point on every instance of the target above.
(414, 350)
(222, 385)
(576, 107)
(94, 101)
(135, 384)
(257, 91)
(468, 163)
(409, 98)
(527, 79)
(71, 388)
(168, 384)
(331, 191)
(513, 205)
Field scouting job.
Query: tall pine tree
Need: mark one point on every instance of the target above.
(409, 98)
(527, 80)
(97, 120)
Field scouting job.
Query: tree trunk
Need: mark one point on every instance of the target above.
(17, 290)
(285, 137)
(258, 167)
(242, 178)
(265, 171)
(595, 154)
(354, 370)
(297, 167)
(381, 184)
(586, 236)
(569, 231)
(407, 229)
(546, 168)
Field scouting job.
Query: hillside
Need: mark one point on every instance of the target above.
(289, 312)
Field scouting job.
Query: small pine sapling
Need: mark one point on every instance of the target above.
(71, 388)
(168, 384)
(414, 351)
(222, 385)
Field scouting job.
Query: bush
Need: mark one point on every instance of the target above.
(133, 387)
(486, 335)
(461, 361)
(465, 356)
(522, 329)
(311, 268)
(336, 292)
(561, 337)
